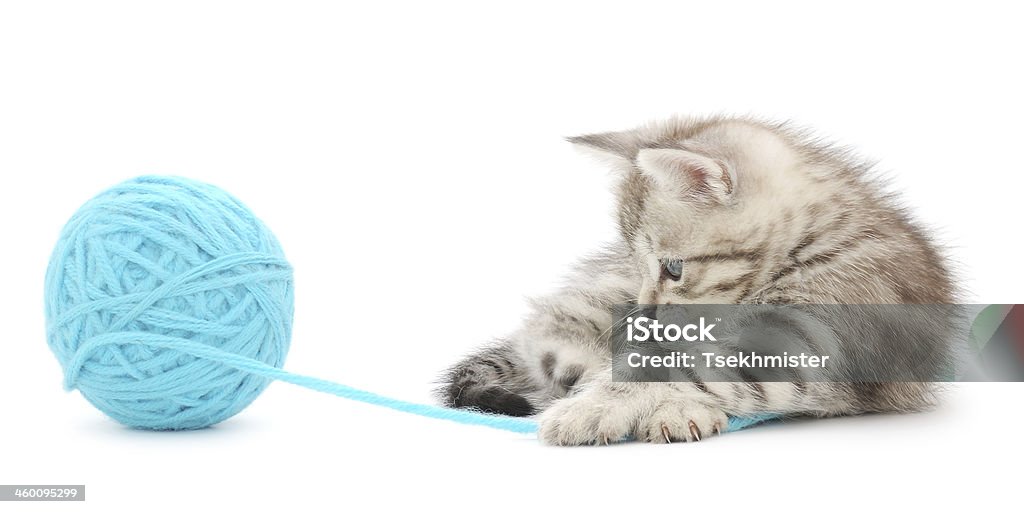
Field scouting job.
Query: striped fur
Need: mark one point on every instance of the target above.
(757, 213)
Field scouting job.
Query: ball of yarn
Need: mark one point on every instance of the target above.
(148, 281)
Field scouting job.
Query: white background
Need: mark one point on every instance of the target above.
(413, 153)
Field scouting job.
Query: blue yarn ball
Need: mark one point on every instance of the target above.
(147, 276)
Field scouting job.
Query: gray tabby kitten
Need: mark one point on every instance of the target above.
(711, 211)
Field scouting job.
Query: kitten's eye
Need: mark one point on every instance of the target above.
(672, 268)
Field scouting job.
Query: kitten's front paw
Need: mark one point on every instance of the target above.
(688, 422)
(591, 418)
(604, 416)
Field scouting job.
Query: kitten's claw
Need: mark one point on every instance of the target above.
(687, 422)
(694, 431)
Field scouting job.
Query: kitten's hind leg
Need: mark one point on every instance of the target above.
(492, 380)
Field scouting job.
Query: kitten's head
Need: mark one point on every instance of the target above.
(712, 208)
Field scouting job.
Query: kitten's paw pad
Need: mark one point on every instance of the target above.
(587, 419)
(687, 422)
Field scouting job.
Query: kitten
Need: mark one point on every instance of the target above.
(711, 211)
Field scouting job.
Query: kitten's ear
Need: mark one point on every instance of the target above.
(615, 147)
(689, 174)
